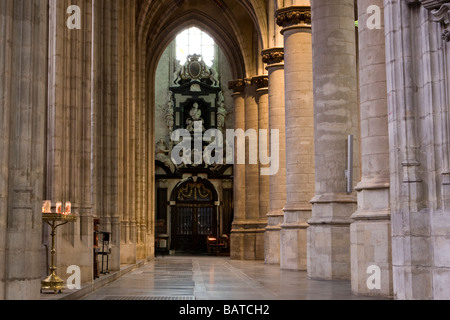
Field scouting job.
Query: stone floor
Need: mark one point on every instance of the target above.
(219, 278)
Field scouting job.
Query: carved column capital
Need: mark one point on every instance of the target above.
(273, 56)
(442, 15)
(248, 82)
(431, 4)
(294, 16)
(237, 86)
(260, 82)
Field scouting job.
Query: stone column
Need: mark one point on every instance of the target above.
(69, 133)
(23, 70)
(254, 227)
(262, 99)
(296, 24)
(336, 117)
(251, 169)
(105, 124)
(248, 228)
(371, 230)
(128, 132)
(274, 58)
(236, 238)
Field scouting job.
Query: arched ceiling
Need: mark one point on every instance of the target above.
(232, 23)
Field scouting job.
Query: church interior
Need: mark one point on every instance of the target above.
(338, 166)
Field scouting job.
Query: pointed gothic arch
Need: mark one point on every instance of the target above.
(158, 22)
(226, 41)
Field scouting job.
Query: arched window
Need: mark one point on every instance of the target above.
(194, 41)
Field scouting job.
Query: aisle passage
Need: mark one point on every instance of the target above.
(219, 278)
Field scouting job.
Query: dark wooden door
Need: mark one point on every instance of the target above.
(191, 226)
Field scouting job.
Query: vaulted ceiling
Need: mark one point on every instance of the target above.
(239, 27)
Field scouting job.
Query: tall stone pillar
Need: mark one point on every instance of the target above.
(236, 238)
(254, 227)
(247, 233)
(261, 84)
(105, 124)
(335, 117)
(23, 70)
(135, 142)
(69, 133)
(296, 24)
(371, 230)
(252, 167)
(274, 58)
(127, 132)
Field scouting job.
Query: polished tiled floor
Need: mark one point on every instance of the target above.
(219, 278)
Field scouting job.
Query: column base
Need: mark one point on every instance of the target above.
(247, 241)
(371, 248)
(23, 289)
(371, 245)
(293, 240)
(272, 245)
(272, 238)
(329, 240)
(128, 253)
(329, 252)
(415, 283)
(114, 259)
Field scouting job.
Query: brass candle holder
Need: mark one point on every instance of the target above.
(54, 220)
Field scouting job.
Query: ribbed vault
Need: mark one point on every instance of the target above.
(235, 25)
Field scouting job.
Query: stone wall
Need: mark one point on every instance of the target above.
(418, 85)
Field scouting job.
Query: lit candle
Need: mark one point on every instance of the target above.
(59, 207)
(47, 206)
(68, 207)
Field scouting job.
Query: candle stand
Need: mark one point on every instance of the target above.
(53, 282)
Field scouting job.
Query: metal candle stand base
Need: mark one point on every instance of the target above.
(53, 282)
